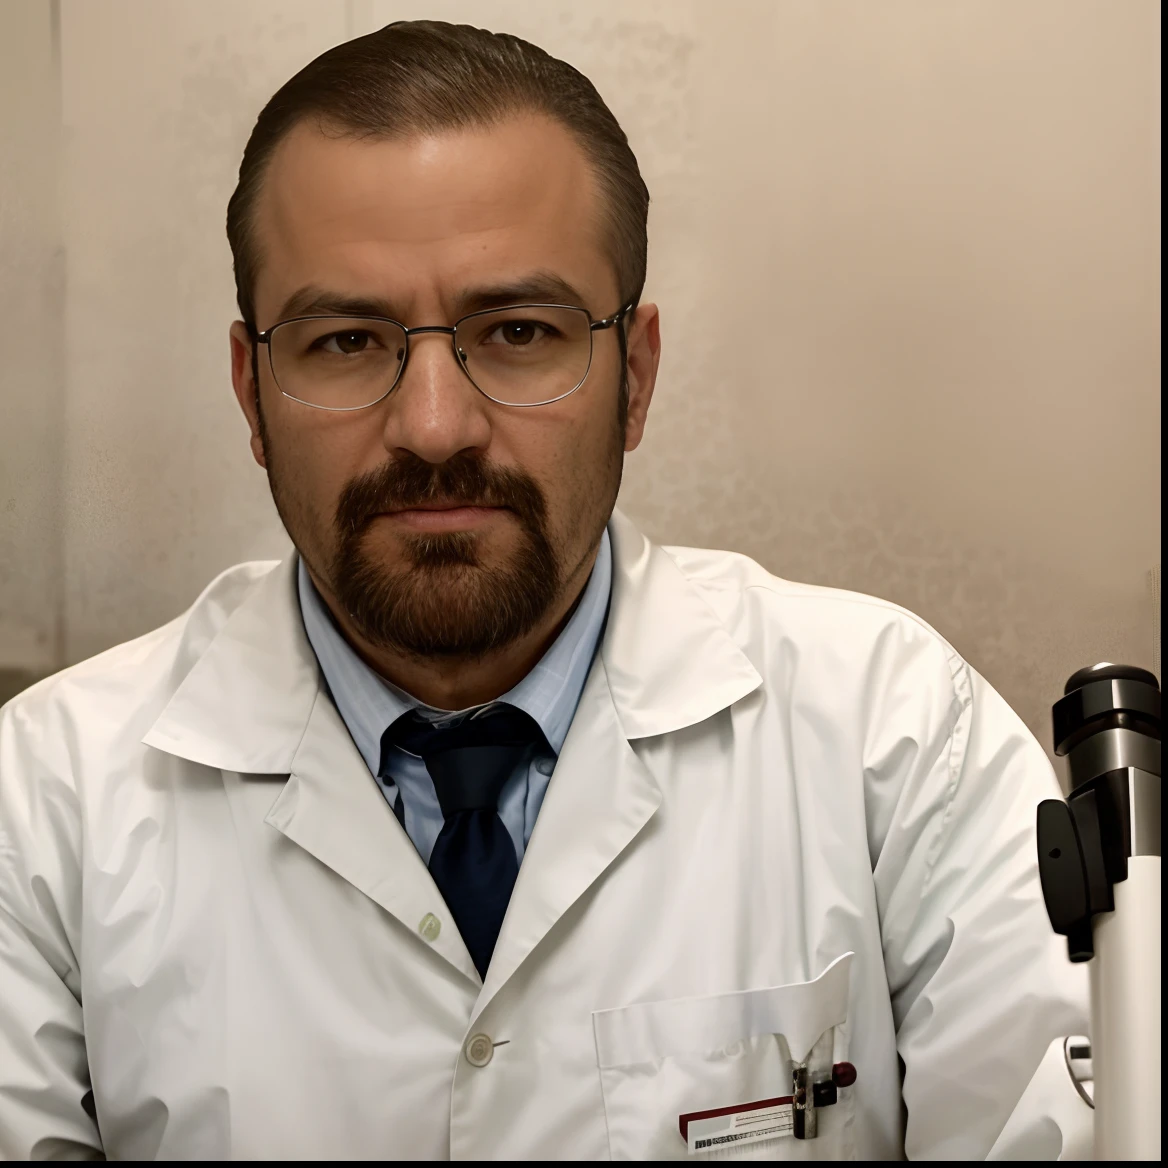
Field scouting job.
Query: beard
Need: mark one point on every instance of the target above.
(445, 599)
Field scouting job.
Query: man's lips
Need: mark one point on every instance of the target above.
(444, 516)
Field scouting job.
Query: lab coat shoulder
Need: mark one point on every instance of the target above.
(871, 695)
(753, 602)
(70, 727)
(887, 674)
(67, 742)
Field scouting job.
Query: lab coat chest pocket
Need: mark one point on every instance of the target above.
(661, 1060)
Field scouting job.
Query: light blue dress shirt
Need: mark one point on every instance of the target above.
(549, 693)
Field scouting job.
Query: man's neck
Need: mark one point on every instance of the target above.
(447, 683)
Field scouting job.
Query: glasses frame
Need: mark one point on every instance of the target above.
(265, 338)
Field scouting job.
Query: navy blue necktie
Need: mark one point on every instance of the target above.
(473, 861)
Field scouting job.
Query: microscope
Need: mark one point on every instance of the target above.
(1099, 863)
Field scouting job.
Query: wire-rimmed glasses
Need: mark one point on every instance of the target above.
(521, 355)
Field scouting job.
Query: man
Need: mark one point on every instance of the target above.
(482, 827)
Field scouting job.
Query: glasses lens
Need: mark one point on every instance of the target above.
(527, 354)
(340, 363)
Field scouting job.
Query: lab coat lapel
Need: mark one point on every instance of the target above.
(252, 702)
(666, 662)
(332, 808)
(599, 798)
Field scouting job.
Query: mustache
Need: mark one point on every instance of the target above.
(466, 479)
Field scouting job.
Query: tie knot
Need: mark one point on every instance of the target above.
(469, 760)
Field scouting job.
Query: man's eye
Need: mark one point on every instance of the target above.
(347, 343)
(516, 332)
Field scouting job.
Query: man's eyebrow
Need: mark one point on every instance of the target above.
(313, 300)
(536, 287)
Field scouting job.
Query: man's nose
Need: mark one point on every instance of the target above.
(435, 411)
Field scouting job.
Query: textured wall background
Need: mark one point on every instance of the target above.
(31, 382)
(907, 256)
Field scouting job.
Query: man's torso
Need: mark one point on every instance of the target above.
(266, 969)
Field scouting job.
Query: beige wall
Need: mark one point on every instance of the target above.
(906, 252)
(31, 297)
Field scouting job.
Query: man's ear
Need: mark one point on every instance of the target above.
(644, 348)
(247, 390)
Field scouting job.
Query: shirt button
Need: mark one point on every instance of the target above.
(545, 766)
(430, 926)
(479, 1050)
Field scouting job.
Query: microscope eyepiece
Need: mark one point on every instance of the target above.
(1106, 697)
(1107, 724)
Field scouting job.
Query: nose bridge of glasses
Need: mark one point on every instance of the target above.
(446, 332)
(429, 328)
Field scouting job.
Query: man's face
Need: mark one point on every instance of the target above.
(442, 523)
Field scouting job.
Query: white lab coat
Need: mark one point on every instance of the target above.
(208, 911)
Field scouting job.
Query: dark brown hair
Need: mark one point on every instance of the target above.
(424, 76)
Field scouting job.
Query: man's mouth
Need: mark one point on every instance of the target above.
(444, 516)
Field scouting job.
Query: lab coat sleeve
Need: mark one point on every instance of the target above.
(44, 1074)
(980, 984)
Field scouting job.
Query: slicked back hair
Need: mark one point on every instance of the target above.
(426, 77)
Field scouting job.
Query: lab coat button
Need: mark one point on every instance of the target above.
(545, 766)
(430, 926)
(479, 1051)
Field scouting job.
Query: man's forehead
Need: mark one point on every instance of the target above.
(449, 206)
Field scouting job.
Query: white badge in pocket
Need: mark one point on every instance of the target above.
(731, 1127)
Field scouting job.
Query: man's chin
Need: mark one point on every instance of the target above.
(454, 593)
(449, 610)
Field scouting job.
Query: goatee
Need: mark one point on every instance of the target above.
(444, 600)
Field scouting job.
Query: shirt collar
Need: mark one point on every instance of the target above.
(550, 692)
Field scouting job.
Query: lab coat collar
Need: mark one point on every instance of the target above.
(670, 661)
(244, 705)
(245, 701)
